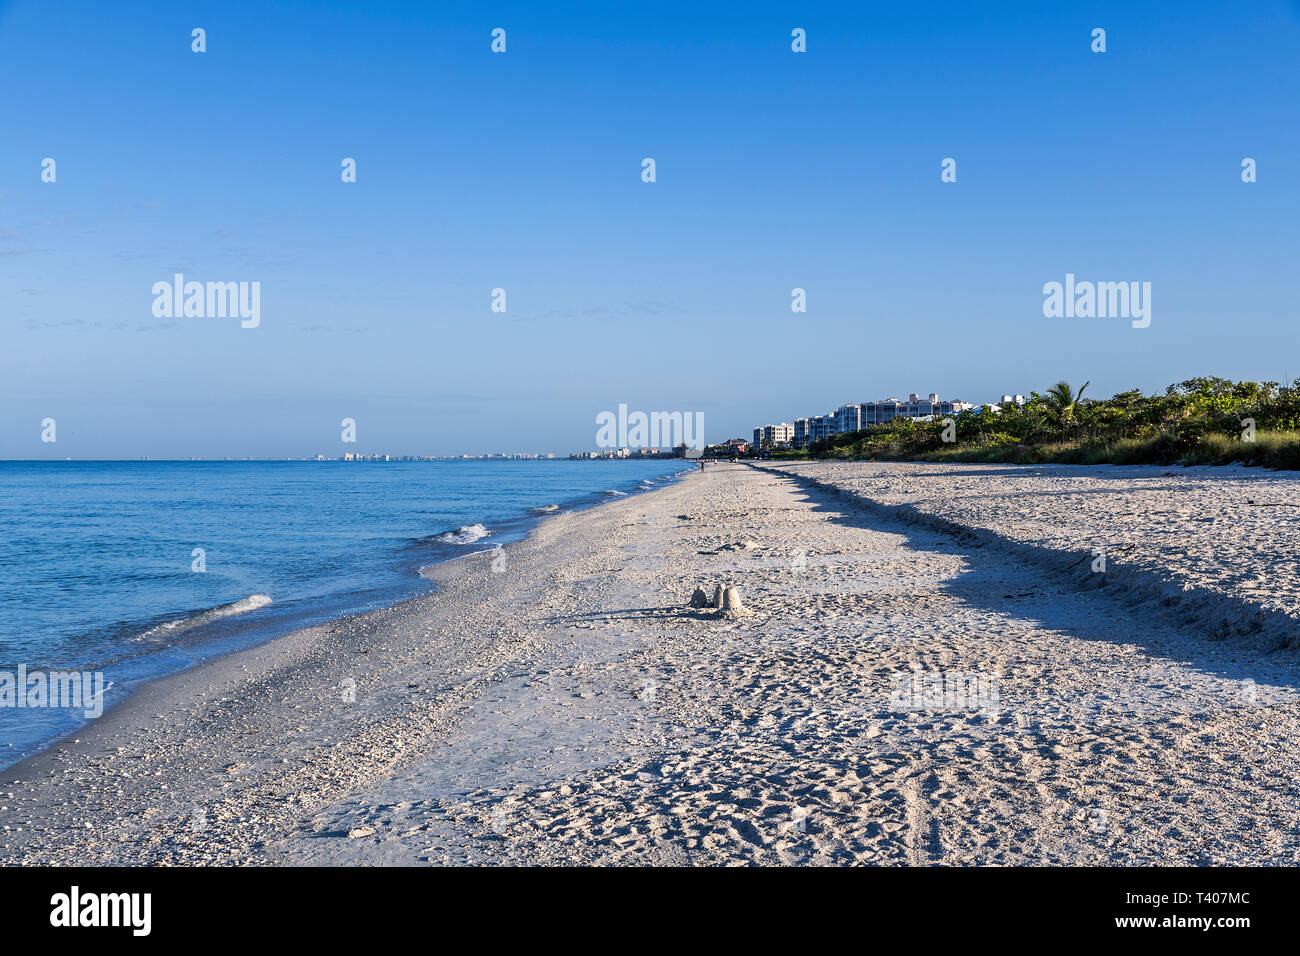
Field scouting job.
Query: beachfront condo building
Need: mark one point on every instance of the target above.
(848, 418)
(782, 434)
(852, 418)
(877, 413)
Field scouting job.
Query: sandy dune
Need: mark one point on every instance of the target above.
(570, 707)
(1223, 544)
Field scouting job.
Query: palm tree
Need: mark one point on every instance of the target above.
(1063, 402)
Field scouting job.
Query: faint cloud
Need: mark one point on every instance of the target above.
(650, 307)
(320, 327)
(58, 324)
(637, 309)
(121, 211)
(261, 261)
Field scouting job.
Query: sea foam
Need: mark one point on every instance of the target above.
(242, 606)
(467, 534)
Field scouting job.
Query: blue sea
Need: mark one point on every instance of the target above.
(138, 569)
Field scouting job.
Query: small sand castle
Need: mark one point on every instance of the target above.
(731, 605)
(726, 601)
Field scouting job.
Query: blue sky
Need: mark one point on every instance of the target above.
(522, 171)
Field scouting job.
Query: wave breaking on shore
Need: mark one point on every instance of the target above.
(245, 604)
(466, 534)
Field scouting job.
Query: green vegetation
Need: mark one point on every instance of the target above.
(1202, 421)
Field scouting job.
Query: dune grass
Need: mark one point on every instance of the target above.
(1270, 449)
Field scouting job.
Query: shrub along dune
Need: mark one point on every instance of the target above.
(1202, 421)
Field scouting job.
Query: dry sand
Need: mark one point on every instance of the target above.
(571, 707)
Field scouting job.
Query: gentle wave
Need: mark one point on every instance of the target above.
(619, 494)
(545, 509)
(242, 606)
(464, 535)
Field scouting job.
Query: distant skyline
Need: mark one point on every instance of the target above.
(522, 171)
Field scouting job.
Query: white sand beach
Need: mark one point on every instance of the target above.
(560, 702)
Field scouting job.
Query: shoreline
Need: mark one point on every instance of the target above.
(571, 708)
(197, 644)
(309, 650)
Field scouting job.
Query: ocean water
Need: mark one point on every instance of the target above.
(98, 559)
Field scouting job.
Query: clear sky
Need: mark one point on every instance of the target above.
(522, 170)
